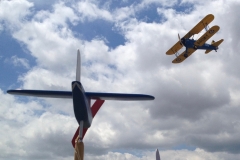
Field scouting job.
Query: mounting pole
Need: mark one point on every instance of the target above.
(79, 145)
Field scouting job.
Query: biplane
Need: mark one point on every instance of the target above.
(84, 112)
(192, 45)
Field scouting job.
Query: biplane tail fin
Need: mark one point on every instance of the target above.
(215, 44)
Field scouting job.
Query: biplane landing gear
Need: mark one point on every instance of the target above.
(185, 55)
(79, 146)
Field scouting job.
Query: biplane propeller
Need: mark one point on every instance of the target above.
(180, 39)
(192, 45)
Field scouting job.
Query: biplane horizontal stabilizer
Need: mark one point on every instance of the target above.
(215, 44)
(207, 51)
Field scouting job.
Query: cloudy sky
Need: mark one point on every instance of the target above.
(195, 114)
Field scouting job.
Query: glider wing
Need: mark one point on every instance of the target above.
(42, 93)
(90, 95)
(118, 96)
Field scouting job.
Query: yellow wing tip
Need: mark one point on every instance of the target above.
(210, 15)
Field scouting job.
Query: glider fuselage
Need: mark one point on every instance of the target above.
(81, 104)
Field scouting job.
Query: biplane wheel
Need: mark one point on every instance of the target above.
(185, 55)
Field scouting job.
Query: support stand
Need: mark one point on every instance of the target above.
(80, 132)
(79, 149)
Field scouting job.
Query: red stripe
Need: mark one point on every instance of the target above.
(95, 107)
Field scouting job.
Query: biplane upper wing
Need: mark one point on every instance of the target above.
(202, 24)
(195, 30)
(207, 35)
(181, 57)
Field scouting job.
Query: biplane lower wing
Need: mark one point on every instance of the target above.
(195, 30)
(183, 56)
(215, 44)
(174, 48)
(207, 35)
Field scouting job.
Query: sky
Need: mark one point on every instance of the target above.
(123, 44)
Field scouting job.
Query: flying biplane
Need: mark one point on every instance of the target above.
(191, 44)
(84, 113)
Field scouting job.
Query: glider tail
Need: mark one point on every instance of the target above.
(78, 69)
(215, 44)
(157, 155)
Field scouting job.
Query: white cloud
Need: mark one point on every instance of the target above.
(19, 61)
(27, 126)
(45, 35)
(90, 11)
(12, 13)
(196, 102)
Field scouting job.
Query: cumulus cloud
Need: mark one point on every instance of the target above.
(20, 62)
(88, 10)
(19, 12)
(196, 103)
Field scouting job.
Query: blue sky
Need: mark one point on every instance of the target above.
(196, 111)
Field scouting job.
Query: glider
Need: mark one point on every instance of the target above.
(81, 104)
(192, 45)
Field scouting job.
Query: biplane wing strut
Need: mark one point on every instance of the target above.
(207, 36)
(184, 55)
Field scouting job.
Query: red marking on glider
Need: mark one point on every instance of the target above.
(95, 107)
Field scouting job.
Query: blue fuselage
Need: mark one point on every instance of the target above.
(81, 105)
(189, 43)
